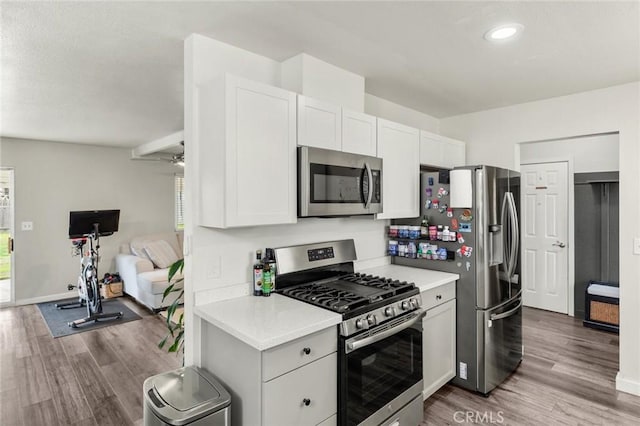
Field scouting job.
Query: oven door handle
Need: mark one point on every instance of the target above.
(361, 342)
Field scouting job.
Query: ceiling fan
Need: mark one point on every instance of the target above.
(169, 156)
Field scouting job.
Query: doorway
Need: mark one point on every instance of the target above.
(585, 154)
(545, 219)
(7, 294)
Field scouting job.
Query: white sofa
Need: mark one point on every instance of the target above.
(142, 280)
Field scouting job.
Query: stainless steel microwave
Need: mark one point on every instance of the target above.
(334, 183)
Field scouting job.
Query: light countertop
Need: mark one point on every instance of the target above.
(424, 279)
(266, 322)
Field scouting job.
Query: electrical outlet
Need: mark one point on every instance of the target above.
(27, 226)
(463, 371)
(636, 245)
(214, 268)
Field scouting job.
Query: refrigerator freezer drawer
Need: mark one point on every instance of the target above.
(499, 343)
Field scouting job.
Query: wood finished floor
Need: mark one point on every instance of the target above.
(90, 378)
(567, 377)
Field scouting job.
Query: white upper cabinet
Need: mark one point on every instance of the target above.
(399, 148)
(359, 133)
(328, 126)
(245, 147)
(319, 124)
(440, 151)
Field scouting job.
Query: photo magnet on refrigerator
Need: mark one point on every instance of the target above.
(465, 227)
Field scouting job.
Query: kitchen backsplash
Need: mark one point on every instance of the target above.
(223, 258)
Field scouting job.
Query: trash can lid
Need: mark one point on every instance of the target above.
(185, 395)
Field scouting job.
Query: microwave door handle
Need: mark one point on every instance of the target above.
(369, 194)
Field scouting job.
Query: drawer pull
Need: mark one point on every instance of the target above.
(306, 351)
(306, 401)
(438, 296)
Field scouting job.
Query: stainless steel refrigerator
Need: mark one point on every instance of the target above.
(482, 204)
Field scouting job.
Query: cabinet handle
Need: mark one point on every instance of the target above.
(438, 297)
(306, 401)
(306, 351)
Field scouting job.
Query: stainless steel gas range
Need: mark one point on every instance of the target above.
(380, 337)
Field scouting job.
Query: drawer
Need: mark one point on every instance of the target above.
(289, 356)
(438, 295)
(306, 396)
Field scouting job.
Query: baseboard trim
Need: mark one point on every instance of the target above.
(626, 385)
(49, 298)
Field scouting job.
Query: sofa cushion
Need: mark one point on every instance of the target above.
(137, 244)
(160, 253)
(155, 282)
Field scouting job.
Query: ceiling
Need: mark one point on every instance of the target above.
(112, 72)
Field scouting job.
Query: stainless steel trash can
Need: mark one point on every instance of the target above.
(186, 396)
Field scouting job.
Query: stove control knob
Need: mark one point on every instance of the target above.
(390, 311)
(372, 320)
(404, 305)
(360, 324)
(413, 303)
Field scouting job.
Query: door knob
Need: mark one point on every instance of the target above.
(559, 244)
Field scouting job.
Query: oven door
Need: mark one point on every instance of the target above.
(380, 371)
(333, 183)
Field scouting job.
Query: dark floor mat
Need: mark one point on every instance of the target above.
(57, 319)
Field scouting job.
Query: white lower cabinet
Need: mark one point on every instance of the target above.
(439, 338)
(295, 383)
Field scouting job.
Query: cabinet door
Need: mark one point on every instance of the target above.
(439, 347)
(399, 148)
(455, 153)
(305, 396)
(359, 133)
(431, 149)
(319, 124)
(260, 154)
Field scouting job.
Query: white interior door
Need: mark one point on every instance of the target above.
(545, 260)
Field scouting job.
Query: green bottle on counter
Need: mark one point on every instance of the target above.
(267, 284)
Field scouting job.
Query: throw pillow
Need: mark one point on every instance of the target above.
(161, 253)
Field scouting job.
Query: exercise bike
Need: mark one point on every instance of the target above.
(88, 283)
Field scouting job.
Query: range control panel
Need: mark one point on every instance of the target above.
(320, 254)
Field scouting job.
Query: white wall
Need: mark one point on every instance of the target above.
(400, 114)
(616, 109)
(53, 178)
(595, 153)
(312, 77)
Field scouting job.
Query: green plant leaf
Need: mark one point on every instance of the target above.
(176, 331)
(163, 342)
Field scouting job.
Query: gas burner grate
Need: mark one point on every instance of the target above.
(321, 295)
(379, 282)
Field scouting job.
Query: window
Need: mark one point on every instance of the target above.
(179, 202)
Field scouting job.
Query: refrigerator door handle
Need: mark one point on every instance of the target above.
(507, 314)
(504, 217)
(515, 235)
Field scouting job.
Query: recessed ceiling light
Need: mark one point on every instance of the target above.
(503, 32)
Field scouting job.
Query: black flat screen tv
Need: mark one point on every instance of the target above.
(81, 223)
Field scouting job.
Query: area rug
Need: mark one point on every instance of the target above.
(57, 319)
